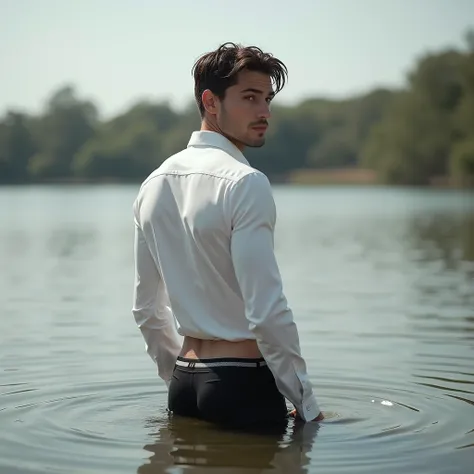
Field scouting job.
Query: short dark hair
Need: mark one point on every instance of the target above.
(218, 70)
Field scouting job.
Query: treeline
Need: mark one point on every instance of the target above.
(412, 136)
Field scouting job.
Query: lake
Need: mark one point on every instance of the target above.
(381, 282)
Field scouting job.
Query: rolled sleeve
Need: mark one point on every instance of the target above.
(270, 318)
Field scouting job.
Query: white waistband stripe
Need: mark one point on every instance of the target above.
(183, 363)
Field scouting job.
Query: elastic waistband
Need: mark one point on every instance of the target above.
(221, 362)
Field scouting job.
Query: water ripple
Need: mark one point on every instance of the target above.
(95, 422)
(381, 287)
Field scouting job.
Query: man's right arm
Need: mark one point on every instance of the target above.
(252, 247)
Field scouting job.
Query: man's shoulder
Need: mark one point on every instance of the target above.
(253, 178)
(210, 161)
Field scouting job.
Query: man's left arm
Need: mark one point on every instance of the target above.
(152, 310)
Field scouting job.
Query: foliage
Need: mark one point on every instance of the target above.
(410, 136)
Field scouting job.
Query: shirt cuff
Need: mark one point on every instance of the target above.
(309, 409)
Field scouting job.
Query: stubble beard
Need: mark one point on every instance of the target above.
(245, 141)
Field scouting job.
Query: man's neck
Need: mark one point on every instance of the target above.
(207, 126)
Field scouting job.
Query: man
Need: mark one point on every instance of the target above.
(204, 224)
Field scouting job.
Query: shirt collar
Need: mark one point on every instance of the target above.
(206, 138)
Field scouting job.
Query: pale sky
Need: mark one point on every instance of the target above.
(119, 51)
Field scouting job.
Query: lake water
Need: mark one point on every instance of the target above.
(381, 281)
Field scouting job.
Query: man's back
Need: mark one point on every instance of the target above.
(188, 198)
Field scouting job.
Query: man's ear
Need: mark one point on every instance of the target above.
(209, 101)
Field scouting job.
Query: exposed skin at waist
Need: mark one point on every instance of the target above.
(202, 349)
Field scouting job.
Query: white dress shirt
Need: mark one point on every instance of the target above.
(205, 265)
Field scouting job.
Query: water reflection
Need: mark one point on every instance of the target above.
(181, 442)
(442, 236)
(71, 242)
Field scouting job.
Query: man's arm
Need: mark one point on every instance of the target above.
(252, 246)
(151, 308)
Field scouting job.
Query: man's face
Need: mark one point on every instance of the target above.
(243, 114)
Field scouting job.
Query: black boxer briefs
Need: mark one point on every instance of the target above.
(231, 392)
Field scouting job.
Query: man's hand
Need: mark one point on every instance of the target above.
(294, 414)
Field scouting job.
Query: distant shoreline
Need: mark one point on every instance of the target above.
(303, 176)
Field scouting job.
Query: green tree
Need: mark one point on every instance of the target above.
(16, 148)
(130, 146)
(462, 162)
(461, 158)
(413, 142)
(67, 125)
